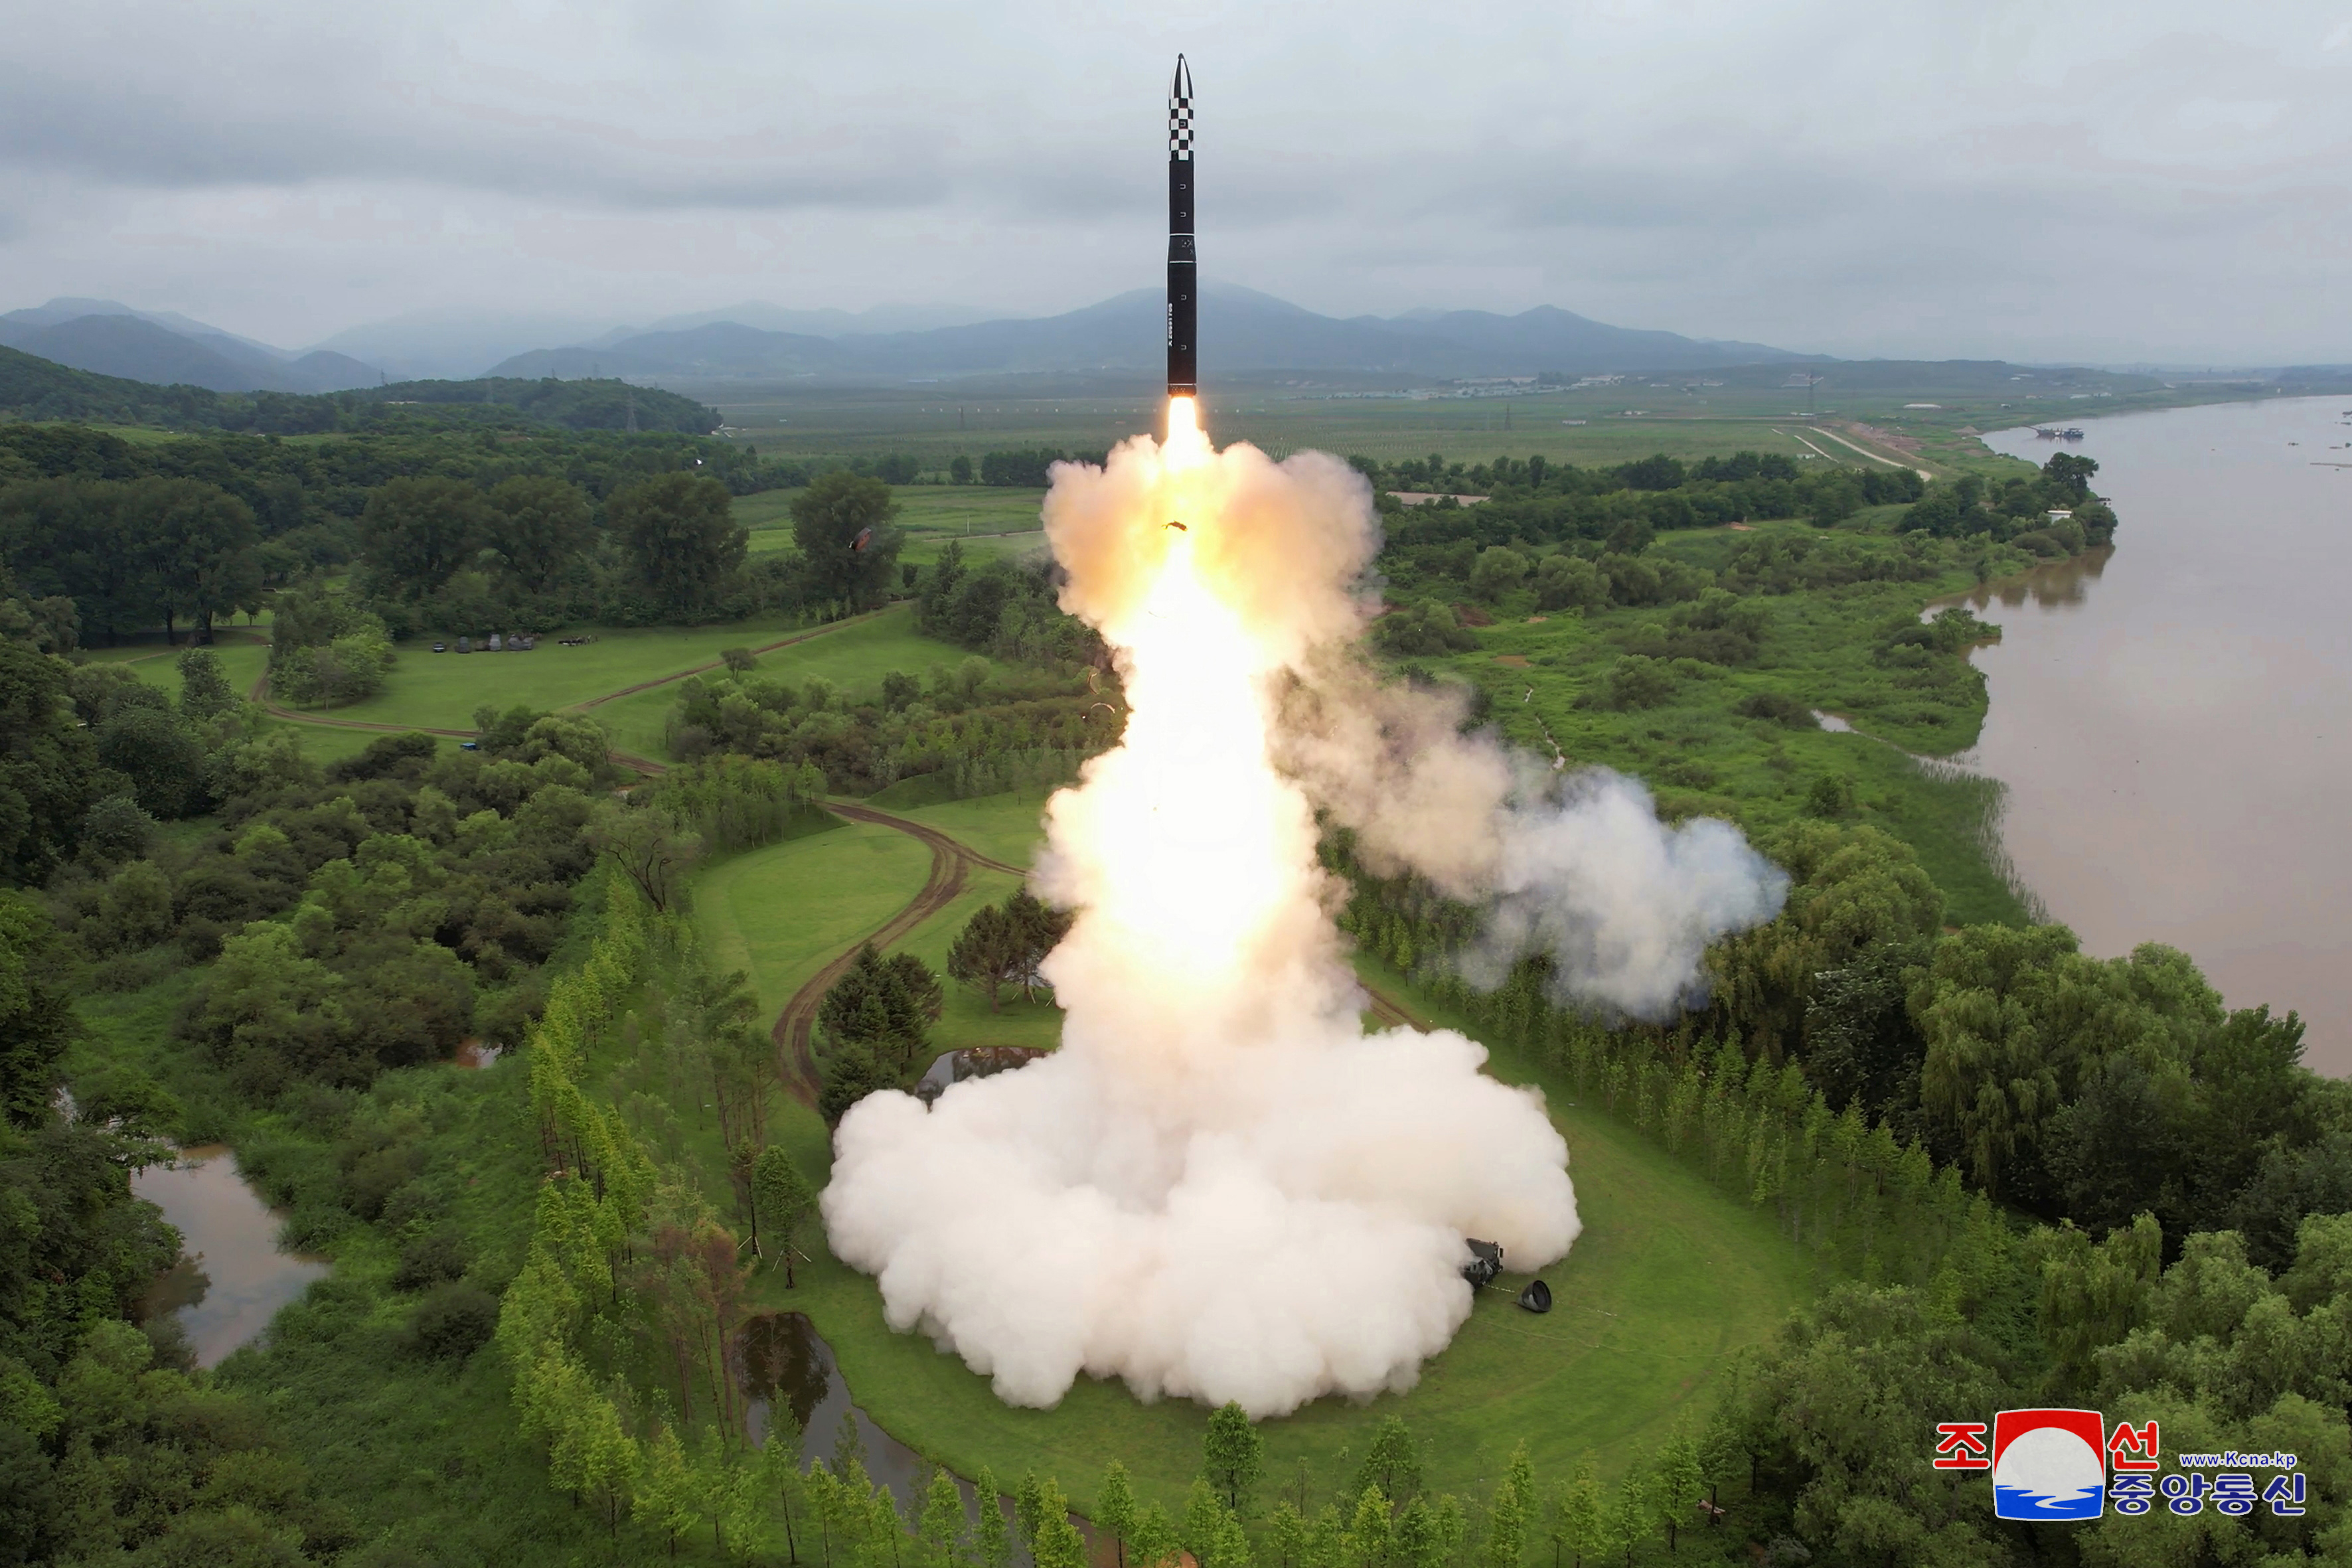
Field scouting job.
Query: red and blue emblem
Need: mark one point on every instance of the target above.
(2049, 1464)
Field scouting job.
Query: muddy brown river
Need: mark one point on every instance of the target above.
(2173, 719)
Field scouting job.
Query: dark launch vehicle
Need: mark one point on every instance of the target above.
(1184, 272)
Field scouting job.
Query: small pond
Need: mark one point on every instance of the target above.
(232, 1276)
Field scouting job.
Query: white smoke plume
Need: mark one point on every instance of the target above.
(1577, 867)
(1221, 1187)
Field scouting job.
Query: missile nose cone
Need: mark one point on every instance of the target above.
(1182, 88)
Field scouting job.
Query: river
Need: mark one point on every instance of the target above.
(2173, 720)
(232, 1276)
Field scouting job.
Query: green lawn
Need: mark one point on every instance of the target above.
(1668, 1279)
(990, 521)
(442, 691)
(243, 655)
(854, 657)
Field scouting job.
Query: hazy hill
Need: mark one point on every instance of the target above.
(35, 388)
(1241, 330)
(170, 350)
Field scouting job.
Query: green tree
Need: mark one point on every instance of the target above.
(1499, 570)
(648, 850)
(1154, 1539)
(679, 536)
(886, 1005)
(1003, 945)
(36, 1020)
(1233, 1454)
(204, 687)
(1680, 1480)
(1584, 1523)
(417, 531)
(1391, 1462)
(664, 1494)
(197, 545)
(47, 766)
(959, 470)
(539, 527)
(780, 1465)
(1286, 1536)
(784, 1198)
(157, 750)
(1636, 1508)
(1366, 1542)
(991, 1542)
(940, 1530)
(1203, 1510)
(1115, 1510)
(1229, 1547)
(848, 541)
(1507, 1517)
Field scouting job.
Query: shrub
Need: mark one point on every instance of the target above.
(1638, 681)
(435, 1259)
(453, 1322)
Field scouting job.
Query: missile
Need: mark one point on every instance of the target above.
(1183, 270)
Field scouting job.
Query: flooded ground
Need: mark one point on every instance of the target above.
(2173, 719)
(231, 1278)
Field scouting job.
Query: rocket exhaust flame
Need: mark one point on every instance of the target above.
(1220, 1186)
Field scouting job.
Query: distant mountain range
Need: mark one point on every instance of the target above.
(1241, 331)
(169, 350)
(1244, 332)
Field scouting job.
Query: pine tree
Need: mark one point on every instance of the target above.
(779, 1467)
(1115, 1510)
(1058, 1543)
(1681, 1478)
(942, 1530)
(1507, 1522)
(782, 1197)
(993, 1545)
(665, 1496)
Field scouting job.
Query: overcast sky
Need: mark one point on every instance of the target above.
(2020, 178)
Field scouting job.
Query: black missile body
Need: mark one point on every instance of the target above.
(1183, 270)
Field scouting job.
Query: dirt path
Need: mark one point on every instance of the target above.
(952, 861)
(714, 664)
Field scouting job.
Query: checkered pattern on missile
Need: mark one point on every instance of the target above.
(1179, 127)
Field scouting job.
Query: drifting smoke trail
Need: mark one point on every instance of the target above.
(1219, 1187)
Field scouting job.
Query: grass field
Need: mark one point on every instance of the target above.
(442, 691)
(1941, 406)
(1669, 1278)
(990, 522)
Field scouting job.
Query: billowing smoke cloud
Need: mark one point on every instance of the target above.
(1221, 1187)
(1577, 867)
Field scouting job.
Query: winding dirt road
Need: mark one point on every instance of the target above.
(952, 861)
